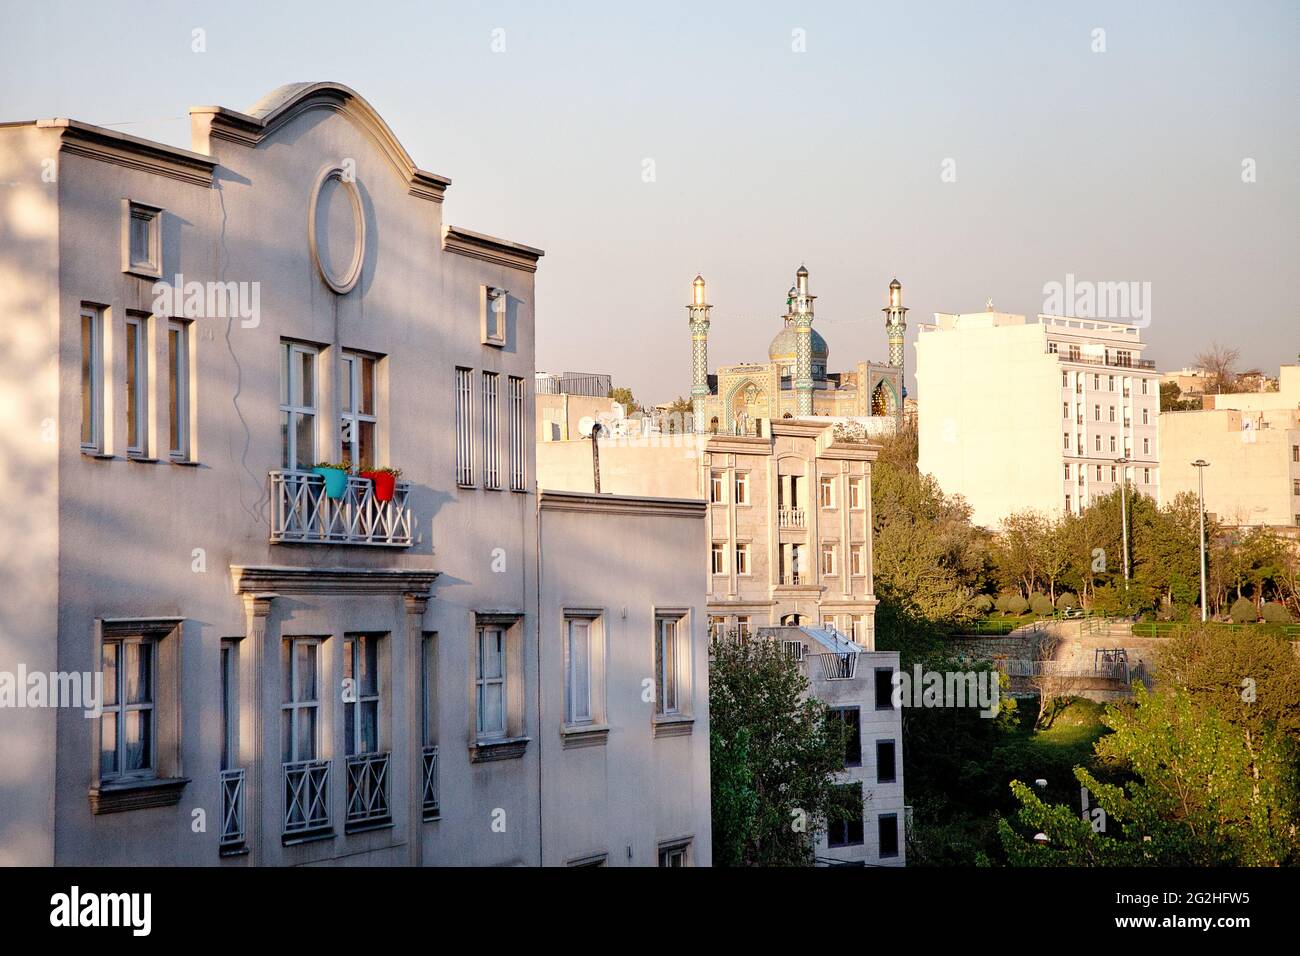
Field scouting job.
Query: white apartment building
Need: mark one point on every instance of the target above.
(301, 665)
(1016, 413)
(856, 685)
(1252, 443)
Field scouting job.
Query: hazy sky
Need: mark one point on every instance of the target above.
(1123, 165)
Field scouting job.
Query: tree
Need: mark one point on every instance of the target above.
(1202, 793)
(775, 757)
(1053, 682)
(625, 398)
(1220, 365)
(1170, 400)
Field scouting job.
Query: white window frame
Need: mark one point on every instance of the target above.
(121, 708)
(828, 561)
(293, 708)
(353, 654)
(493, 305)
(742, 559)
(857, 564)
(491, 432)
(856, 502)
(464, 427)
(230, 704)
(291, 367)
(92, 379)
(353, 368)
(579, 711)
(150, 264)
(137, 365)
(483, 682)
(826, 491)
(741, 491)
(718, 557)
(178, 384)
(717, 487)
(667, 657)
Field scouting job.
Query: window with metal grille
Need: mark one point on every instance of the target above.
(518, 436)
(491, 447)
(464, 427)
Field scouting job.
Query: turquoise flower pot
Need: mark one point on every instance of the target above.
(336, 481)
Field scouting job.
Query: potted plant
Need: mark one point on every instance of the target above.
(335, 475)
(384, 480)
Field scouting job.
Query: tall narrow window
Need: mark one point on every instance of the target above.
(490, 682)
(429, 727)
(358, 424)
(742, 488)
(137, 387)
(886, 762)
(666, 691)
(850, 719)
(828, 559)
(178, 390)
(855, 493)
(127, 738)
(844, 824)
(300, 663)
(577, 670)
(361, 702)
(229, 705)
(464, 427)
(857, 560)
(717, 482)
(518, 436)
(826, 491)
(742, 559)
(718, 557)
(298, 405)
(92, 380)
(491, 445)
(888, 835)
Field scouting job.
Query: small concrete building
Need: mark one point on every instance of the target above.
(301, 662)
(1252, 443)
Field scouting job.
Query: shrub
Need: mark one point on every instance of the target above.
(981, 604)
(1066, 600)
(1274, 613)
(1040, 604)
(1243, 611)
(1003, 603)
(1017, 605)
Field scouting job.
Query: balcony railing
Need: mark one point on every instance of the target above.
(367, 790)
(790, 518)
(1111, 361)
(835, 666)
(429, 786)
(306, 796)
(232, 808)
(791, 578)
(303, 513)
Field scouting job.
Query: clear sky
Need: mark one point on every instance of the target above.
(1123, 165)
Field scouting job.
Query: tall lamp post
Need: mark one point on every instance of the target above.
(1200, 465)
(1123, 510)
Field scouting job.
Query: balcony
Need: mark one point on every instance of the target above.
(306, 797)
(367, 791)
(795, 578)
(429, 785)
(232, 809)
(835, 666)
(303, 514)
(790, 518)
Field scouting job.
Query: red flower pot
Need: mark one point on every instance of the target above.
(384, 483)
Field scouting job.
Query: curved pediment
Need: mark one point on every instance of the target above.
(286, 103)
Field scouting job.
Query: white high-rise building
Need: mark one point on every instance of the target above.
(1044, 413)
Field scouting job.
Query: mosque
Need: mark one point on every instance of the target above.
(794, 381)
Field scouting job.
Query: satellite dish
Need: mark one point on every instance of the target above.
(585, 426)
(1040, 783)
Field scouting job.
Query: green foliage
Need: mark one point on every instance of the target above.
(775, 757)
(1243, 611)
(1040, 604)
(1016, 605)
(981, 604)
(1274, 613)
(1204, 792)
(1066, 601)
(1171, 402)
(625, 398)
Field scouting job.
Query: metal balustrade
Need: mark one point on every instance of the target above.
(306, 796)
(836, 666)
(429, 786)
(301, 512)
(367, 790)
(232, 807)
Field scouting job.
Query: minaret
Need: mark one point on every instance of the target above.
(801, 317)
(698, 311)
(896, 328)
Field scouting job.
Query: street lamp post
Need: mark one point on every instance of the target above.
(1200, 465)
(1123, 505)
